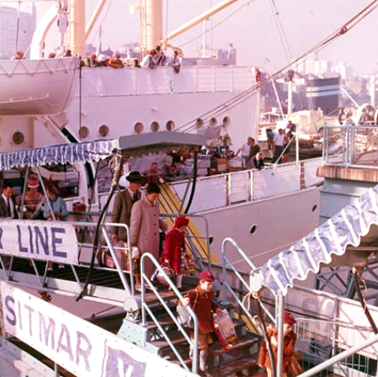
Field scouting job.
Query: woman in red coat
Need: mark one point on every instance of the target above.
(174, 248)
(288, 345)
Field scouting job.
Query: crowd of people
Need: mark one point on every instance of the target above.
(153, 59)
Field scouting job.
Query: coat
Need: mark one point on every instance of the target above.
(203, 307)
(144, 230)
(288, 349)
(174, 246)
(122, 213)
(4, 208)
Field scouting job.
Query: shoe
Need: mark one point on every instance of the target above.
(61, 266)
(138, 288)
(49, 269)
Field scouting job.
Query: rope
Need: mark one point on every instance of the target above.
(245, 95)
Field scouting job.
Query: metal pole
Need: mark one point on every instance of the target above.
(281, 304)
(297, 143)
(289, 97)
(341, 356)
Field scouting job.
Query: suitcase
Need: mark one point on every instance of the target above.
(225, 330)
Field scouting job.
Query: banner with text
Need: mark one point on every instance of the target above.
(75, 344)
(44, 240)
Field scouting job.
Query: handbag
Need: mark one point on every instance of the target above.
(294, 368)
(161, 278)
(183, 316)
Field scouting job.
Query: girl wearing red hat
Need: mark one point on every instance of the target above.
(288, 345)
(174, 248)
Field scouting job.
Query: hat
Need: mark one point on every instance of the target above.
(33, 181)
(181, 221)
(207, 276)
(289, 319)
(134, 177)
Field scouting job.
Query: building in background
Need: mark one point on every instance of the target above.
(16, 30)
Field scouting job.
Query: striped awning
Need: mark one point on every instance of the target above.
(64, 153)
(346, 228)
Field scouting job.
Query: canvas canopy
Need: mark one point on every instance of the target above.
(356, 224)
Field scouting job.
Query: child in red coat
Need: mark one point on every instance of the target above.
(174, 248)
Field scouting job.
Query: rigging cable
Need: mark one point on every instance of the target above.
(281, 31)
(217, 24)
(246, 94)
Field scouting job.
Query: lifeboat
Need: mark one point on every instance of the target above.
(37, 87)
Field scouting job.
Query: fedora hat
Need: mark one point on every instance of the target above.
(134, 177)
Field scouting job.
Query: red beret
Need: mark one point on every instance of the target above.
(206, 276)
(181, 221)
(289, 319)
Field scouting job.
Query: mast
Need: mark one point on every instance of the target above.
(151, 24)
(77, 27)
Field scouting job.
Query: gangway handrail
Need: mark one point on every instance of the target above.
(227, 264)
(145, 308)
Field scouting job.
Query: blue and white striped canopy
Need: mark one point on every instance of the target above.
(64, 153)
(331, 238)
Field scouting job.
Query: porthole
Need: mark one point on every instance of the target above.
(170, 125)
(213, 122)
(138, 128)
(103, 130)
(18, 138)
(314, 208)
(83, 132)
(155, 126)
(226, 121)
(211, 240)
(253, 229)
(199, 123)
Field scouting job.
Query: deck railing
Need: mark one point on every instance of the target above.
(351, 146)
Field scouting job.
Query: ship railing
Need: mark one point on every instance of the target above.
(334, 347)
(228, 288)
(351, 146)
(146, 282)
(84, 238)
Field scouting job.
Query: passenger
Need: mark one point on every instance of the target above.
(149, 60)
(288, 345)
(7, 202)
(290, 127)
(123, 203)
(270, 136)
(258, 162)
(19, 55)
(92, 61)
(144, 228)
(33, 201)
(278, 143)
(174, 254)
(245, 151)
(68, 53)
(57, 204)
(201, 301)
(286, 147)
(175, 61)
(135, 63)
(255, 148)
(152, 175)
(59, 208)
(102, 61)
(116, 62)
(159, 58)
(52, 55)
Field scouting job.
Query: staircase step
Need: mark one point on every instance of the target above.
(246, 364)
(245, 341)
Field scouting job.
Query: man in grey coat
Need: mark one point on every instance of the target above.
(123, 203)
(144, 227)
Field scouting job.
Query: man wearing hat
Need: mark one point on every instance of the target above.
(123, 203)
(288, 345)
(201, 301)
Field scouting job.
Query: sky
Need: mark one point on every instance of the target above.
(251, 25)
